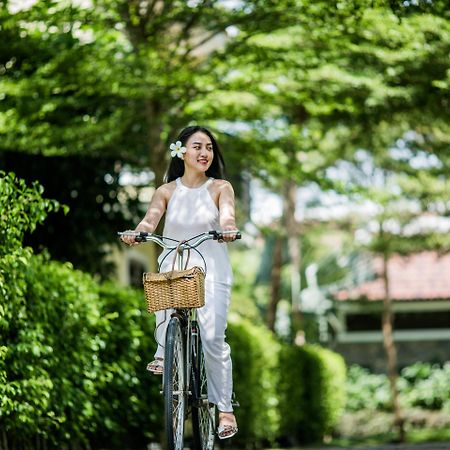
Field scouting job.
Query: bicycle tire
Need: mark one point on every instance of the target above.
(175, 395)
(203, 412)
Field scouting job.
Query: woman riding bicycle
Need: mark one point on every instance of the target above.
(196, 199)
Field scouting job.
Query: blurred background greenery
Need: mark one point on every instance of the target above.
(333, 117)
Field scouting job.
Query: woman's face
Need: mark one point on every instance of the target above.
(199, 152)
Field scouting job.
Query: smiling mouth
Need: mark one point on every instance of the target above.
(203, 161)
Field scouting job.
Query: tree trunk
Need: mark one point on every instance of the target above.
(391, 351)
(4, 443)
(293, 234)
(156, 148)
(275, 283)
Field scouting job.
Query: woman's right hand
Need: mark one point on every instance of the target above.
(129, 240)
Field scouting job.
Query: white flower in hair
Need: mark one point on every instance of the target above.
(177, 150)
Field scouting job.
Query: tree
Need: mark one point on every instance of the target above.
(386, 180)
(357, 80)
(114, 79)
(117, 76)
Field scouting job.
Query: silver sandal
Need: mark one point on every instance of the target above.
(226, 431)
(156, 367)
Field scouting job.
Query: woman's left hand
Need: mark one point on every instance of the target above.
(229, 237)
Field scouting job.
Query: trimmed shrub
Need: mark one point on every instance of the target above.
(311, 392)
(254, 352)
(73, 353)
(73, 363)
(130, 405)
(51, 364)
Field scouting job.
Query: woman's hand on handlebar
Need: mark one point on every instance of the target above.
(229, 234)
(129, 240)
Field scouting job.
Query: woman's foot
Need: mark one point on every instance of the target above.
(156, 367)
(227, 425)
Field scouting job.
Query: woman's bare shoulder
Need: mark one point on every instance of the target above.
(166, 190)
(222, 184)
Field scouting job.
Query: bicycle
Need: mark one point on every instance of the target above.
(185, 386)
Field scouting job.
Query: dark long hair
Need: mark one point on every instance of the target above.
(176, 166)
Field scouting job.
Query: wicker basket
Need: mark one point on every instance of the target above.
(175, 289)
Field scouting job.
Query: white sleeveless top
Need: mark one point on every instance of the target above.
(192, 211)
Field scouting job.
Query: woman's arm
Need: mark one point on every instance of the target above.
(227, 210)
(155, 211)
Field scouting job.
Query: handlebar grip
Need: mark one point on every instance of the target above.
(141, 237)
(218, 235)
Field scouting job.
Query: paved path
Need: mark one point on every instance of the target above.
(431, 446)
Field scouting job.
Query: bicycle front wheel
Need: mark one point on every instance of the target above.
(203, 412)
(174, 386)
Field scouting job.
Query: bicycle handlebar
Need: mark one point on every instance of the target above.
(143, 236)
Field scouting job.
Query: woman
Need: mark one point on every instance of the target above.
(196, 199)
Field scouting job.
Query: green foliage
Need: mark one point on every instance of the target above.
(22, 208)
(372, 428)
(338, 79)
(24, 398)
(73, 361)
(427, 386)
(72, 358)
(113, 77)
(366, 390)
(327, 78)
(129, 403)
(99, 206)
(50, 363)
(245, 296)
(311, 391)
(255, 372)
(421, 385)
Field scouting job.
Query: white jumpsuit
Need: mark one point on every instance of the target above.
(192, 211)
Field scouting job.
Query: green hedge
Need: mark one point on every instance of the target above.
(129, 399)
(73, 369)
(311, 392)
(73, 353)
(73, 363)
(254, 353)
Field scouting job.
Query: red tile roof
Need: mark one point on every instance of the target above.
(421, 276)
